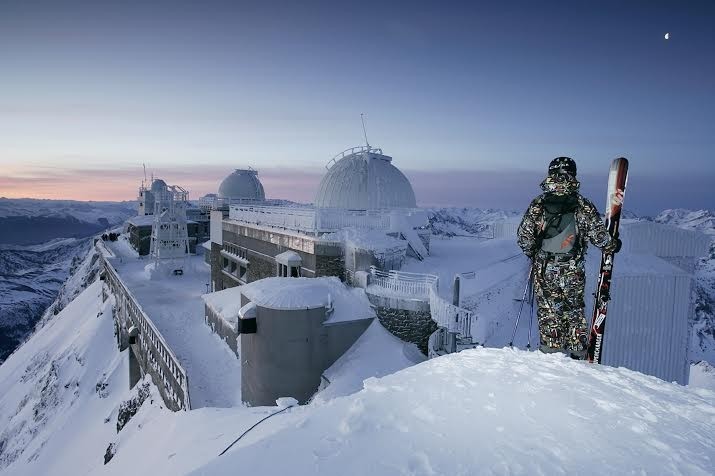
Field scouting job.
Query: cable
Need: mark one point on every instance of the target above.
(254, 425)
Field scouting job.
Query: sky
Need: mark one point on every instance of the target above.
(471, 99)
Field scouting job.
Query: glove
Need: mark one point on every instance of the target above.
(617, 243)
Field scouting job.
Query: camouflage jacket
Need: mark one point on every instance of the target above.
(589, 224)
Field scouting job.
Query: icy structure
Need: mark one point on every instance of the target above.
(363, 178)
(169, 234)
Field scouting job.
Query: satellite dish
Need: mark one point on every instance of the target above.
(667, 36)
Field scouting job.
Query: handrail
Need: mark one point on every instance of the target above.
(425, 286)
(351, 151)
(165, 354)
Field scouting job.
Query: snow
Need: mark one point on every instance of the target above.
(225, 303)
(491, 411)
(50, 412)
(174, 305)
(298, 293)
(375, 354)
(483, 411)
(142, 220)
(702, 375)
(91, 212)
(372, 240)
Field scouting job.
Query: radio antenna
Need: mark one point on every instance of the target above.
(362, 118)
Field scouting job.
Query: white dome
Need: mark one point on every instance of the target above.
(242, 184)
(364, 179)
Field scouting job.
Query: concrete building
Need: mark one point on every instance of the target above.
(287, 332)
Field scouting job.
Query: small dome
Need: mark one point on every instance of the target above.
(242, 184)
(364, 179)
(158, 186)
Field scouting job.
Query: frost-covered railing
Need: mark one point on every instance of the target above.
(425, 287)
(453, 318)
(402, 284)
(310, 220)
(351, 151)
(159, 360)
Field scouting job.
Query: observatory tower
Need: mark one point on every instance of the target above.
(169, 234)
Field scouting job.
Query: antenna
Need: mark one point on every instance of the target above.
(362, 118)
(144, 165)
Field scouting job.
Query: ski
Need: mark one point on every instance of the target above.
(617, 179)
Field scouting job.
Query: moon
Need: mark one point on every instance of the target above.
(667, 36)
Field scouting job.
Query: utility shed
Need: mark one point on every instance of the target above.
(302, 326)
(647, 327)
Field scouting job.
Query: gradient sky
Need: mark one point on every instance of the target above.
(472, 100)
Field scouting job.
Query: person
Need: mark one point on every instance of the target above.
(554, 234)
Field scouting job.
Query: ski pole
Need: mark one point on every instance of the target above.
(521, 308)
(531, 317)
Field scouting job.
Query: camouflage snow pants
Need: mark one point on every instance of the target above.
(559, 288)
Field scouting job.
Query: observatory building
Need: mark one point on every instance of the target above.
(364, 215)
(242, 185)
(361, 179)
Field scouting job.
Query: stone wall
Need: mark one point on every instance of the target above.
(260, 267)
(410, 326)
(330, 266)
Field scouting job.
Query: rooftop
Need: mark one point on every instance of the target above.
(294, 294)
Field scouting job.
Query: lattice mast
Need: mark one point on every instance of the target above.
(169, 233)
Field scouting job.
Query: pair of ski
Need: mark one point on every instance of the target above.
(617, 179)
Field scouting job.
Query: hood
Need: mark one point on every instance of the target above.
(560, 184)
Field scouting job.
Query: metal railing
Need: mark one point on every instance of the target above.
(424, 287)
(164, 366)
(310, 220)
(351, 151)
(402, 284)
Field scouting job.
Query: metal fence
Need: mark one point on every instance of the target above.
(157, 358)
(311, 220)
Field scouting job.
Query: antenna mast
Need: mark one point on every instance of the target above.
(144, 165)
(362, 118)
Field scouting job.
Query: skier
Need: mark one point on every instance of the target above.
(554, 234)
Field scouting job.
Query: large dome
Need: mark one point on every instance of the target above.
(242, 184)
(364, 179)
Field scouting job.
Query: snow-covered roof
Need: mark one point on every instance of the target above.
(142, 220)
(365, 181)
(242, 184)
(373, 240)
(293, 294)
(206, 245)
(289, 258)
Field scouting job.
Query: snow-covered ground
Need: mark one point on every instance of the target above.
(174, 305)
(484, 411)
(52, 411)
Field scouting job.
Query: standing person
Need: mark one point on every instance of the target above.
(554, 234)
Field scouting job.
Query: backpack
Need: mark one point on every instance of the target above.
(559, 234)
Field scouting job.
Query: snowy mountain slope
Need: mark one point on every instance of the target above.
(28, 221)
(90, 212)
(41, 241)
(58, 389)
(30, 278)
(465, 221)
(701, 220)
